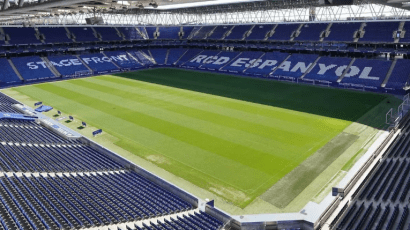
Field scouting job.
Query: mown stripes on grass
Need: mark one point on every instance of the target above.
(215, 142)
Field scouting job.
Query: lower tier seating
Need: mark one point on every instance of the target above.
(69, 66)
(99, 63)
(32, 68)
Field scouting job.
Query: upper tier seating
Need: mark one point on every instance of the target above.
(283, 32)
(203, 32)
(267, 63)
(150, 31)
(205, 57)
(174, 54)
(219, 32)
(83, 34)
(400, 75)
(367, 72)
(327, 69)
(220, 60)
(7, 74)
(259, 32)
(99, 63)
(191, 53)
(54, 34)
(123, 60)
(379, 31)
(32, 68)
(238, 32)
(187, 31)
(342, 32)
(130, 33)
(296, 65)
(143, 32)
(406, 28)
(169, 32)
(19, 35)
(159, 55)
(108, 33)
(68, 66)
(311, 31)
(242, 62)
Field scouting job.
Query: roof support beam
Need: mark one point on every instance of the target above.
(5, 5)
(21, 2)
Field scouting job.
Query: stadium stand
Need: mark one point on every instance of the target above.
(123, 60)
(219, 32)
(174, 55)
(266, 63)
(283, 32)
(142, 57)
(151, 31)
(367, 73)
(187, 30)
(342, 32)
(108, 33)
(326, 69)
(32, 68)
(143, 32)
(68, 66)
(238, 32)
(99, 63)
(379, 31)
(191, 53)
(54, 34)
(218, 61)
(406, 38)
(400, 75)
(159, 55)
(295, 66)
(130, 33)
(242, 62)
(207, 56)
(83, 34)
(259, 32)
(169, 32)
(21, 35)
(382, 202)
(203, 32)
(7, 74)
(311, 31)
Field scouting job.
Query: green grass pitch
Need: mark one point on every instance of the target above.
(236, 137)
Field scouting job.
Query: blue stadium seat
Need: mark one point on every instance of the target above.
(150, 31)
(130, 33)
(219, 60)
(108, 33)
(32, 68)
(266, 63)
(159, 55)
(327, 69)
(7, 74)
(238, 32)
(21, 35)
(187, 31)
(342, 32)
(203, 32)
(379, 31)
(219, 32)
(54, 34)
(191, 53)
(123, 60)
(295, 66)
(242, 62)
(169, 32)
(83, 34)
(259, 32)
(174, 55)
(400, 75)
(367, 72)
(311, 31)
(205, 57)
(69, 66)
(283, 32)
(99, 63)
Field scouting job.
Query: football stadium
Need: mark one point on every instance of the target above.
(204, 114)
